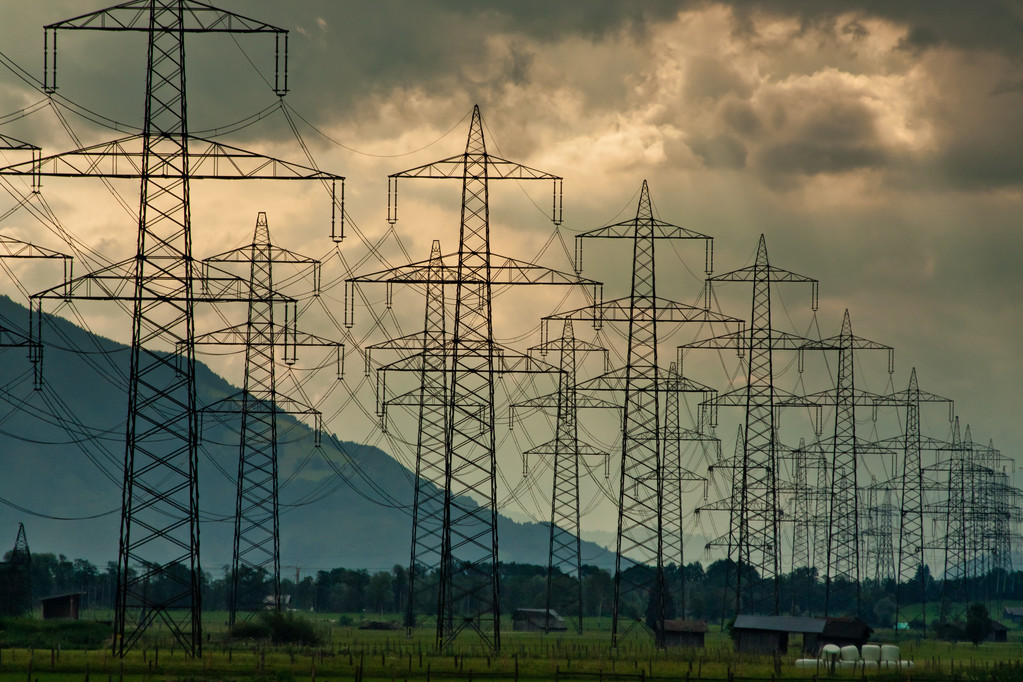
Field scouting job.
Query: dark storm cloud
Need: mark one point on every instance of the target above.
(989, 25)
(719, 151)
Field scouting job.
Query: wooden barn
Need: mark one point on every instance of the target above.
(685, 633)
(840, 632)
(62, 606)
(537, 620)
(770, 634)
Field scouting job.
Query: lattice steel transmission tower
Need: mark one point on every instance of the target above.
(911, 561)
(565, 594)
(805, 489)
(842, 574)
(159, 536)
(677, 474)
(256, 553)
(641, 592)
(754, 538)
(468, 585)
(956, 527)
(877, 533)
(16, 572)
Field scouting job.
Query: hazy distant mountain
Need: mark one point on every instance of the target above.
(62, 450)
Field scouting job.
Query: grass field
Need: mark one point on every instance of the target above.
(348, 653)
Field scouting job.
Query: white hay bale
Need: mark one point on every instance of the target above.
(889, 652)
(870, 652)
(850, 653)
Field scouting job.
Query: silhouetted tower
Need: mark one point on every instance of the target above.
(159, 536)
(468, 556)
(678, 474)
(955, 531)
(16, 572)
(564, 594)
(754, 539)
(877, 532)
(641, 493)
(912, 503)
(256, 554)
(805, 489)
(842, 574)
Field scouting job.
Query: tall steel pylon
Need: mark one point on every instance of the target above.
(754, 538)
(256, 553)
(842, 574)
(468, 585)
(564, 591)
(877, 531)
(678, 473)
(640, 592)
(159, 534)
(956, 529)
(911, 561)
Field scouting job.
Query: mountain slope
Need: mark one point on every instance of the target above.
(343, 504)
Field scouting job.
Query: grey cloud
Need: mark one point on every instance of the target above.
(819, 132)
(719, 151)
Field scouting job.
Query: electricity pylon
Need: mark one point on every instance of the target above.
(469, 588)
(842, 574)
(17, 593)
(563, 552)
(754, 538)
(640, 593)
(877, 532)
(159, 534)
(256, 555)
(911, 561)
(678, 473)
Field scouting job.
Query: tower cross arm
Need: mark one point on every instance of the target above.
(199, 17)
(627, 230)
(455, 167)
(208, 160)
(754, 272)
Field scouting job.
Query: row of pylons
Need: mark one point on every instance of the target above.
(846, 529)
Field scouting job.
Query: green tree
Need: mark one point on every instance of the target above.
(978, 624)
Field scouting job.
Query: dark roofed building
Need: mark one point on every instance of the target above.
(770, 634)
(1013, 613)
(840, 632)
(999, 633)
(685, 633)
(62, 606)
(537, 620)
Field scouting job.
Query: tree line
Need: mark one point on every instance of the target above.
(692, 591)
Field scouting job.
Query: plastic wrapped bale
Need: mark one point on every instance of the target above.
(889, 652)
(869, 666)
(870, 652)
(830, 652)
(850, 653)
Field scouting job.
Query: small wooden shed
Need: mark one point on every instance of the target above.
(62, 606)
(537, 620)
(685, 633)
(999, 633)
(770, 634)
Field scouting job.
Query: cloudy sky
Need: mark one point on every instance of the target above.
(876, 145)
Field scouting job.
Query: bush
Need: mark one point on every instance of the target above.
(25, 633)
(278, 628)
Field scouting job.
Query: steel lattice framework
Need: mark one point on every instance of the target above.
(877, 532)
(468, 564)
(159, 536)
(256, 556)
(641, 591)
(843, 538)
(912, 503)
(678, 473)
(754, 539)
(564, 560)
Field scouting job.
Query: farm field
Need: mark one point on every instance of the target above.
(349, 653)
